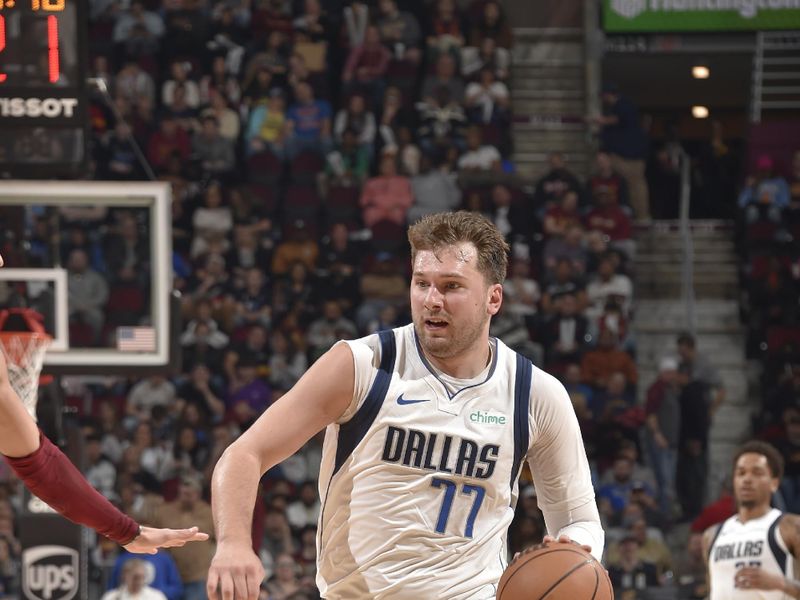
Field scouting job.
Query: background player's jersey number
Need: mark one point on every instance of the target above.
(477, 493)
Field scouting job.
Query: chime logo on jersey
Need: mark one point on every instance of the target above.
(439, 452)
(738, 550)
(50, 572)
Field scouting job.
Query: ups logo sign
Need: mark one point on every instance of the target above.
(49, 573)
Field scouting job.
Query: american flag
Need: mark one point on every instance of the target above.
(136, 339)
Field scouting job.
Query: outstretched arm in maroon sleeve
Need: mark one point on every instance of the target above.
(50, 475)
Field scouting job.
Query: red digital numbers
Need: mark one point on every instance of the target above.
(2, 42)
(52, 48)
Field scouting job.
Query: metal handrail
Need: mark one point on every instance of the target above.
(687, 270)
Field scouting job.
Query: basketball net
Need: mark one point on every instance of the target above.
(24, 352)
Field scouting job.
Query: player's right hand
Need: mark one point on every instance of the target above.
(236, 573)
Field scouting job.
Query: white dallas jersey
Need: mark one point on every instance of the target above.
(419, 478)
(756, 543)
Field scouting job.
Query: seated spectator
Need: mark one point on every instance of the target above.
(608, 285)
(247, 250)
(203, 344)
(202, 393)
(631, 574)
(387, 196)
(564, 278)
(287, 363)
(212, 221)
(434, 190)
(607, 182)
(304, 512)
(276, 541)
(87, 293)
(133, 584)
(285, 584)
(266, 127)
(298, 246)
(127, 254)
(555, 183)
(601, 362)
(293, 296)
(358, 119)
(582, 398)
(382, 284)
(691, 571)
(272, 56)
(611, 220)
(652, 548)
(789, 448)
(367, 64)
(134, 84)
(169, 140)
(619, 418)
(227, 118)
(119, 158)
(570, 246)
(213, 151)
(509, 217)
(479, 157)
(614, 496)
(179, 75)
(308, 123)
(521, 292)
(99, 470)
(251, 304)
(486, 56)
(219, 79)
(442, 122)
(339, 268)
(400, 31)
(564, 335)
(331, 327)
(764, 192)
(256, 89)
(300, 72)
(394, 117)
(179, 109)
(139, 32)
(156, 390)
(512, 329)
(562, 215)
(348, 165)
(487, 100)
(491, 24)
(248, 395)
(445, 31)
(444, 76)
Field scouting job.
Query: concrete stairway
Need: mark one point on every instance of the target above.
(548, 95)
(661, 315)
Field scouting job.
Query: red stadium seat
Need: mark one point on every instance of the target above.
(264, 168)
(305, 166)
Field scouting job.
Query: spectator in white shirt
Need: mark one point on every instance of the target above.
(150, 392)
(606, 285)
(521, 292)
(487, 99)
(479, 157)
(133, 584)
(305, 511)
(180, 75)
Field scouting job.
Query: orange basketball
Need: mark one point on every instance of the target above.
(555, 571)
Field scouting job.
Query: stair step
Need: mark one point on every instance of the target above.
(676, 256)
(547, 94)
(567, 106)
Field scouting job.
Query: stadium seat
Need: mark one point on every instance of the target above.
(304, 167)
(264, 168)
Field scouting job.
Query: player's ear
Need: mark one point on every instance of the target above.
(495, 298)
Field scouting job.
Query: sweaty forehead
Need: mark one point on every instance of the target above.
(750, 460)
(462, 258)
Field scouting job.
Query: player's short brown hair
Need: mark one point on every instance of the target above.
(768, 451)
(434, 232)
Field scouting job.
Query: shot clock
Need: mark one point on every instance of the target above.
(43, 99)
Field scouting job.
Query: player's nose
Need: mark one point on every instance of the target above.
(434, 298)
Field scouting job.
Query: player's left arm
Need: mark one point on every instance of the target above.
(560, 468)
(759, 579)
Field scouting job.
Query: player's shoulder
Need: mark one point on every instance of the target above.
(546, 389)
(372, 345)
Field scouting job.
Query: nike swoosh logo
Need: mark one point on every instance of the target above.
(403, 401)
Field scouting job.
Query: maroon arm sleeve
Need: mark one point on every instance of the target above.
(52, 477)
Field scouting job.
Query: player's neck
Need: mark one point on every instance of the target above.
(746, 514)
(467, 365)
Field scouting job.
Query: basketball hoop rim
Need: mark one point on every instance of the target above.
(42, 339)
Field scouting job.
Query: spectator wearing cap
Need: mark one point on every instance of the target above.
(133, 586)
(308, 123)
(160, 573)
(190, 510)
(663, 419)
(764, 192)
(624, 139)
(386, 197)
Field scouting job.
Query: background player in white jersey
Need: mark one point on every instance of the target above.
(427, 428)
(751, 555)
(49, 474)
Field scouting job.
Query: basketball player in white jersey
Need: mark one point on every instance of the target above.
(427, 429)
(751, 555)
(47, 472)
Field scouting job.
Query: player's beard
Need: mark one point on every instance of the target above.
(461, 336)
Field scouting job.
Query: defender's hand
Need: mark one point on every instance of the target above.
(151, 539)
(565, 539)
(756, 578)
(236, 573)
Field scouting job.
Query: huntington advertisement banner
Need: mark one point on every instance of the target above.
(638, 16)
